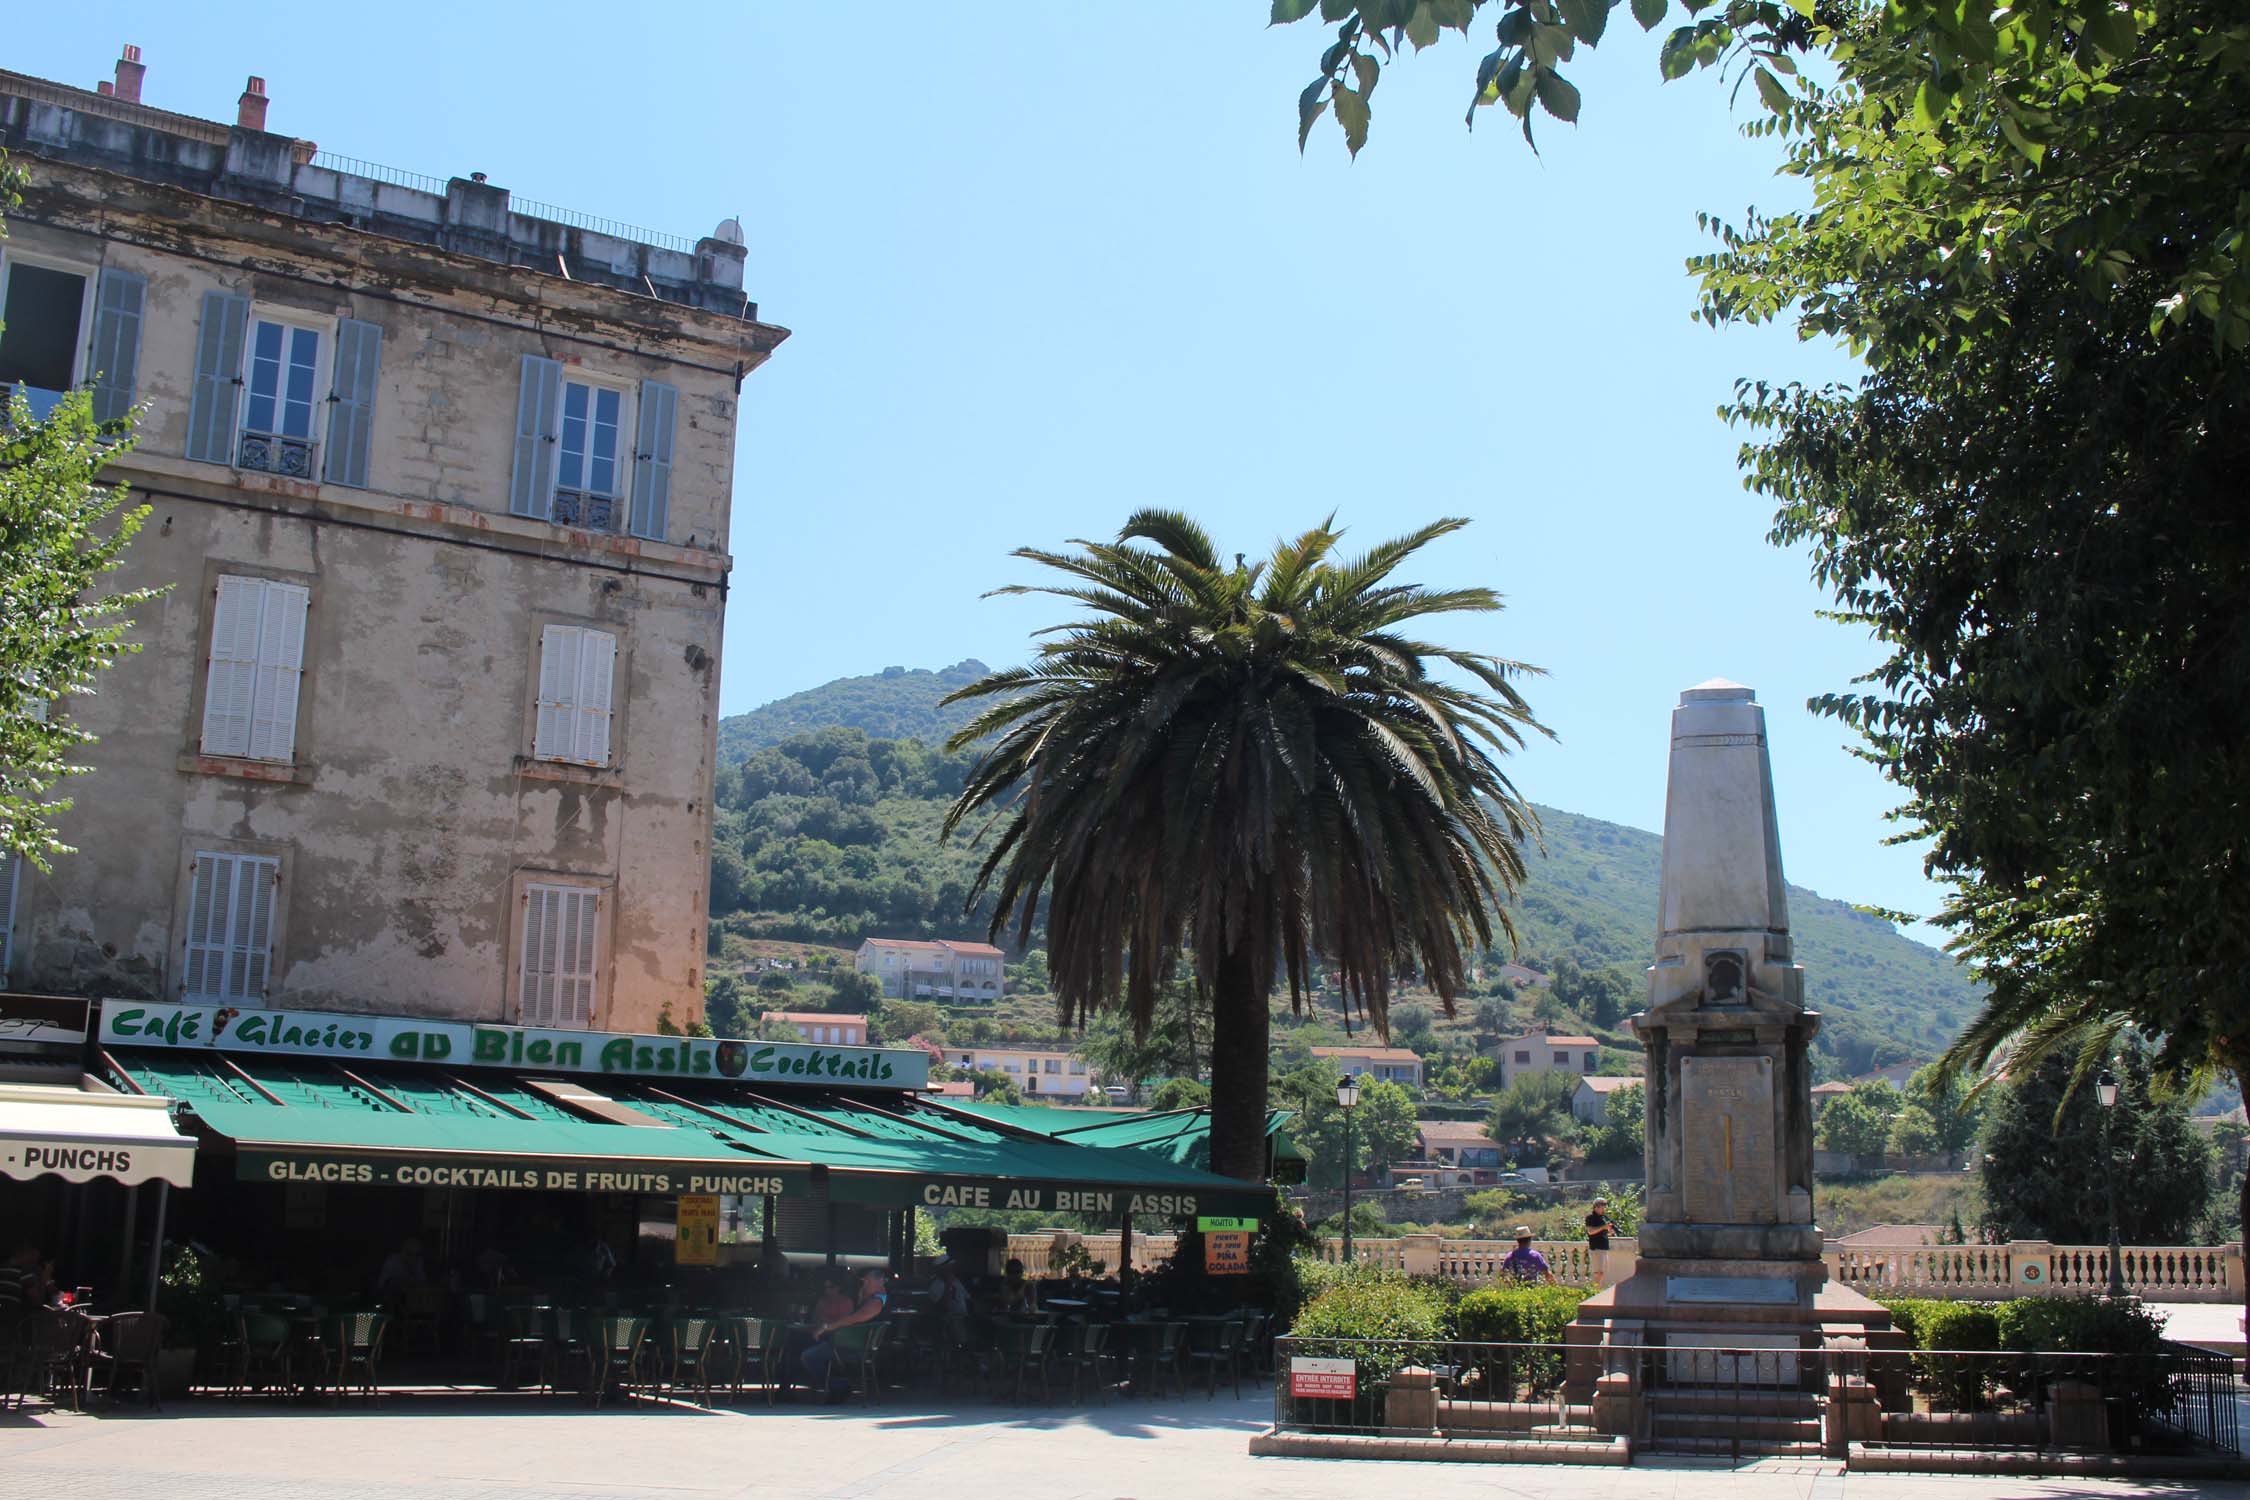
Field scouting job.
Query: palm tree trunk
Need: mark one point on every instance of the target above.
(1239, 1026)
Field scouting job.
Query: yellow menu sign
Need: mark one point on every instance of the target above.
(1226, 1253)
(697, 1231)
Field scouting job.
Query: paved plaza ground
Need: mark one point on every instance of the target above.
(462, 1448)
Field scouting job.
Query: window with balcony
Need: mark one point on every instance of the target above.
(280, 376)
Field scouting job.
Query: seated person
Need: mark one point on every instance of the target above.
(1017, 1296)
(819, 1360)
(834, 1302)
(949, 1294)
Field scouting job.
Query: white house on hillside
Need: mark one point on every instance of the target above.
(1522, 1056)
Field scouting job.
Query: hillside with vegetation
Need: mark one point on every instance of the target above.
(830, 836)
(893, 704)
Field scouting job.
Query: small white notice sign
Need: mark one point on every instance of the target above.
(1322, 1379)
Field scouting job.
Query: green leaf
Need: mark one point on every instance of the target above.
(1513, 88)
(2112, 34)
(1514, 28)
(1931, 101)
(1285, 11)
(1422, 26)
(1678, 54)
(1771, 90)
(1803, 8)
(1310, 105)
(1650, 13)
(1454, 13)
(1587, 19)
(2028, 148)
(1367, 70)
(1336, 10)
(1352, 114)
(1559, 97)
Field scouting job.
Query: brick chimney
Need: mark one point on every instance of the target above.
(250, 111)
(129, 73)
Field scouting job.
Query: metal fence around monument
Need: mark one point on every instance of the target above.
(1742, 1404)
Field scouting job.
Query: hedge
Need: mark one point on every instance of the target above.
(1383, 1324)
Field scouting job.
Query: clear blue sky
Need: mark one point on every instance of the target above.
(1049, 263)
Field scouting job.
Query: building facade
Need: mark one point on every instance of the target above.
(1522, 1056)
(1589, 1102)
(1033, 1070)
(1383, 1064)
(822, 1028)
(941, 970)
(440, 495)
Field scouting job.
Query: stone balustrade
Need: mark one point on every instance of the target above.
(2156, 1273)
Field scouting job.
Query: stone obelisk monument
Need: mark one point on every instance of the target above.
(1730, 1255)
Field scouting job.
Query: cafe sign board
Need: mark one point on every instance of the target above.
(1226, 1252)
(527, 1172)
(474, 1044)
(1322, 1379)
(695, 1230)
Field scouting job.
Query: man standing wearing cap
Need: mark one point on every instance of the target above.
(1525, 1263)
(1597, 1239)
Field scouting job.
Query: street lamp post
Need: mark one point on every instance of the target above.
(1347, 1095)
(2105, 1089)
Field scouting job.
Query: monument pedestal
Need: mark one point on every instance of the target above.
(1730, 1292)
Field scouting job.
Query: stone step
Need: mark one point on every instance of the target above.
(1725, 1401)
(1711, 1428)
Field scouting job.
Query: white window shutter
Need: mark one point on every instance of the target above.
(229, 947)
(537, 1000)
(231, 685)
(281, 658)
(558, 684)
(575, 993)
(597, 659)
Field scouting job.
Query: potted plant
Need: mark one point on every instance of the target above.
(187, 1295)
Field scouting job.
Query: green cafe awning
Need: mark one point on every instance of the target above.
(1178, 1135)
(308, 1121)
(314, 1120)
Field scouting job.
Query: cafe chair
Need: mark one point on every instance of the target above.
(125, 1343)
(523, 1345)
(859, 1356)
(757, 1349)
(268, 1352)
(1084, 1347)
(1024, 1348)
(421, 1310)
(613, 1356)
(1216, 1346)
(1257, 1342)
(694, 1346)
(570, 1344)
(359, 1350)
(1164, 1357)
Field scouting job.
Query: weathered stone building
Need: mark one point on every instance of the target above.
(440, 493)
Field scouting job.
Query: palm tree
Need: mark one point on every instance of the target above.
(1252, 766)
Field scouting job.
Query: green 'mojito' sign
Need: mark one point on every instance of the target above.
(1224, 1226)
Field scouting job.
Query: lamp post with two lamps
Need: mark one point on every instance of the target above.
(2105, 1089)
(1347, 1096)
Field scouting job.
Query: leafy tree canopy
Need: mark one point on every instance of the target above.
(1531, 1116)
(61, 529)
(1383, 1127)
(2050, 1148)
(1858, 1123)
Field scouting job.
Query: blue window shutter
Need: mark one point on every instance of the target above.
(531, 488)
(652, 459)
(218, 377)
(351, 415)
(119, 298)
